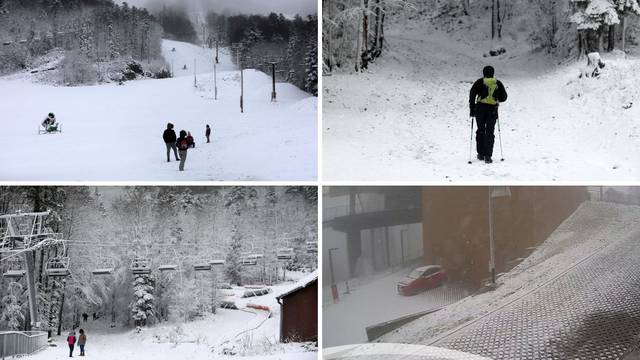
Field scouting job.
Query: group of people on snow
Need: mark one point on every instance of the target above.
(81, 341)
(181, 144)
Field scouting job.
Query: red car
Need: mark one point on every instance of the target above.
(422, 279)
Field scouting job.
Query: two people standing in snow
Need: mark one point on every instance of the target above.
(484, 98)
(72, 340)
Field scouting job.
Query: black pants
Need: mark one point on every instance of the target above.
(70, 350)
(81, 350)
(486, 116)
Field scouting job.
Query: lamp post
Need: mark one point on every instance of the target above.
(334, 288)
(492, 261)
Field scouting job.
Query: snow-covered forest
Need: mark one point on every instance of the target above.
(353, 31)
(398, 76)
(100, 40)
(108, 232)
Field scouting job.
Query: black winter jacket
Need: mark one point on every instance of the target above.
(480, 90)
(169, 136)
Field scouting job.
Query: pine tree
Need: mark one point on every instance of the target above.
(142, 308)
(12, 311)
(311, 65)
(233, 263)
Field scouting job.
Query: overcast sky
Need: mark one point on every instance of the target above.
(287, 7)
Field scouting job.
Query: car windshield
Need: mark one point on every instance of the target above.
(415, 274)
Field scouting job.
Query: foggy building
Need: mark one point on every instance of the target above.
(370, 229)
(456, 225)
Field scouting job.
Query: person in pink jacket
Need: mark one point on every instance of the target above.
(71, 340)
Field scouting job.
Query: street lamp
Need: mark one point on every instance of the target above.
(334, 288)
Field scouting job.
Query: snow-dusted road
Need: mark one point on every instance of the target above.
(376, 302)
(406, 118)
(114, 133)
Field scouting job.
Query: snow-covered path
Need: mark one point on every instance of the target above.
(114, 133)
(406, 118)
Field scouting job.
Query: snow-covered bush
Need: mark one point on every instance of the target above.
(77, 69)
(12, 312)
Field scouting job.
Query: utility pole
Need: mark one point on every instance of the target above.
(492, 261)
(195, 82)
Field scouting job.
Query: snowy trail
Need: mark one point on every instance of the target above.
(114, 133)
(407, 118)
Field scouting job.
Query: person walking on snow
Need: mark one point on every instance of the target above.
(169, 137)
(183, 145)
(485, 96)
(207, 133)
(82, 340)
(192, 143)
(71, 340)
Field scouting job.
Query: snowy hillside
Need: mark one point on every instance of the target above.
(113, 132)
(407, 118)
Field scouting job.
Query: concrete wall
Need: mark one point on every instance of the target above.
(456, 225)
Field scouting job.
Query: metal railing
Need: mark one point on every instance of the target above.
(21, 342)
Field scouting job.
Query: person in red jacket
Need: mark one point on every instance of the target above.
(71, 340)
(192, 143)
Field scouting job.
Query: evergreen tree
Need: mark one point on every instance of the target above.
(142, 308)
(311, 64)
(12, 311)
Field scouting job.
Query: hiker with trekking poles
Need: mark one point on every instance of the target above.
(484, 98)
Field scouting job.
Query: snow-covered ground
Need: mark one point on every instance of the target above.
(248, 333)
(407, 117)
(592, 227)
(375, 302)
(114, 133)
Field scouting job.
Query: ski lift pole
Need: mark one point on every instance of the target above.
(216, 51)
(215, 82)
(273, 77)
(195, 84)
(241, 90)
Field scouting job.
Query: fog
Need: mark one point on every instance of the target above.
(286, 7)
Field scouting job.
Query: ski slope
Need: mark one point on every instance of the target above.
(250, 334)
(114, 132)
(406, 118)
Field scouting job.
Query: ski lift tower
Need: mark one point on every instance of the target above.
(273, 62)
(22, 233)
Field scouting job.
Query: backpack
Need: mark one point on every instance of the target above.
(183, 144)
(492, 85)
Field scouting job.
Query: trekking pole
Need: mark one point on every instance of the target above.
(500, 139)
(471, 140)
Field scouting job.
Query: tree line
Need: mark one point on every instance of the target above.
(90, 31)
(257, 41)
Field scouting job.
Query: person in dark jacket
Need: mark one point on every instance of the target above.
(207, 133)
(71, 340)
(82, 340)
(169, 137)
(183, 145)
(485, 96)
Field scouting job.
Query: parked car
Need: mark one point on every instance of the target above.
(422, 279)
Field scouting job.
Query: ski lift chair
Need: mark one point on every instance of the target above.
(14, 274)
(106, 267)
(140, 266)
(202, 266)
(285, 254)
(217, 262)
(58, 267)
(168, 267)
(312, 246)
